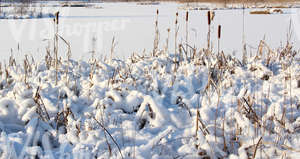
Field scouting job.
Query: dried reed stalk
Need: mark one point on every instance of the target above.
(219, 37)
(208, 34)
(175, 41)
(109, 134)
(256, 146)
(291, 99)
(156, 39)
(113, 46)
(244, 43)
(167, 42)
(56, 22)
(68, 56)
(187, 31)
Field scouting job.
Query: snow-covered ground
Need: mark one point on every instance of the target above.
(167, 105)
(133, 28)
(208, 106)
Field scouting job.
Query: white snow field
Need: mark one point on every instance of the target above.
(80, 25)
(163, 104)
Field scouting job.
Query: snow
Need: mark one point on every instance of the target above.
(8, 111)
(148, 116)
(79, 25)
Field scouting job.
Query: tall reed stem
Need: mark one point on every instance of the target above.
(167, 41)
(175, 41)
(244, 43)
(219, 37)
(187, 31)
(208, 34)
(56, 22)
(156, 38)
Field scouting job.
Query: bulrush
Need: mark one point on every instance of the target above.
(219, 32)
(156, 39)
(175, 41)
(209, 17)
(219, 37)
(176, 31)
(56, 21)
(56, 17)
(187, 32)
(208, 34)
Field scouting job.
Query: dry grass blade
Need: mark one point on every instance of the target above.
(256, 146)
(250, 111)
(68, 55)
(38, 100)
(112, 138)
(113, 46)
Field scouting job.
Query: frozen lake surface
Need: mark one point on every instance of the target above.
(149, 107)
(132, 26)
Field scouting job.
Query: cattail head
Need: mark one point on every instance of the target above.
(176, 21)
(168, 30)
(157, 12)
(208, 17)
(219, 32)
(56, 17)
(187, 16)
